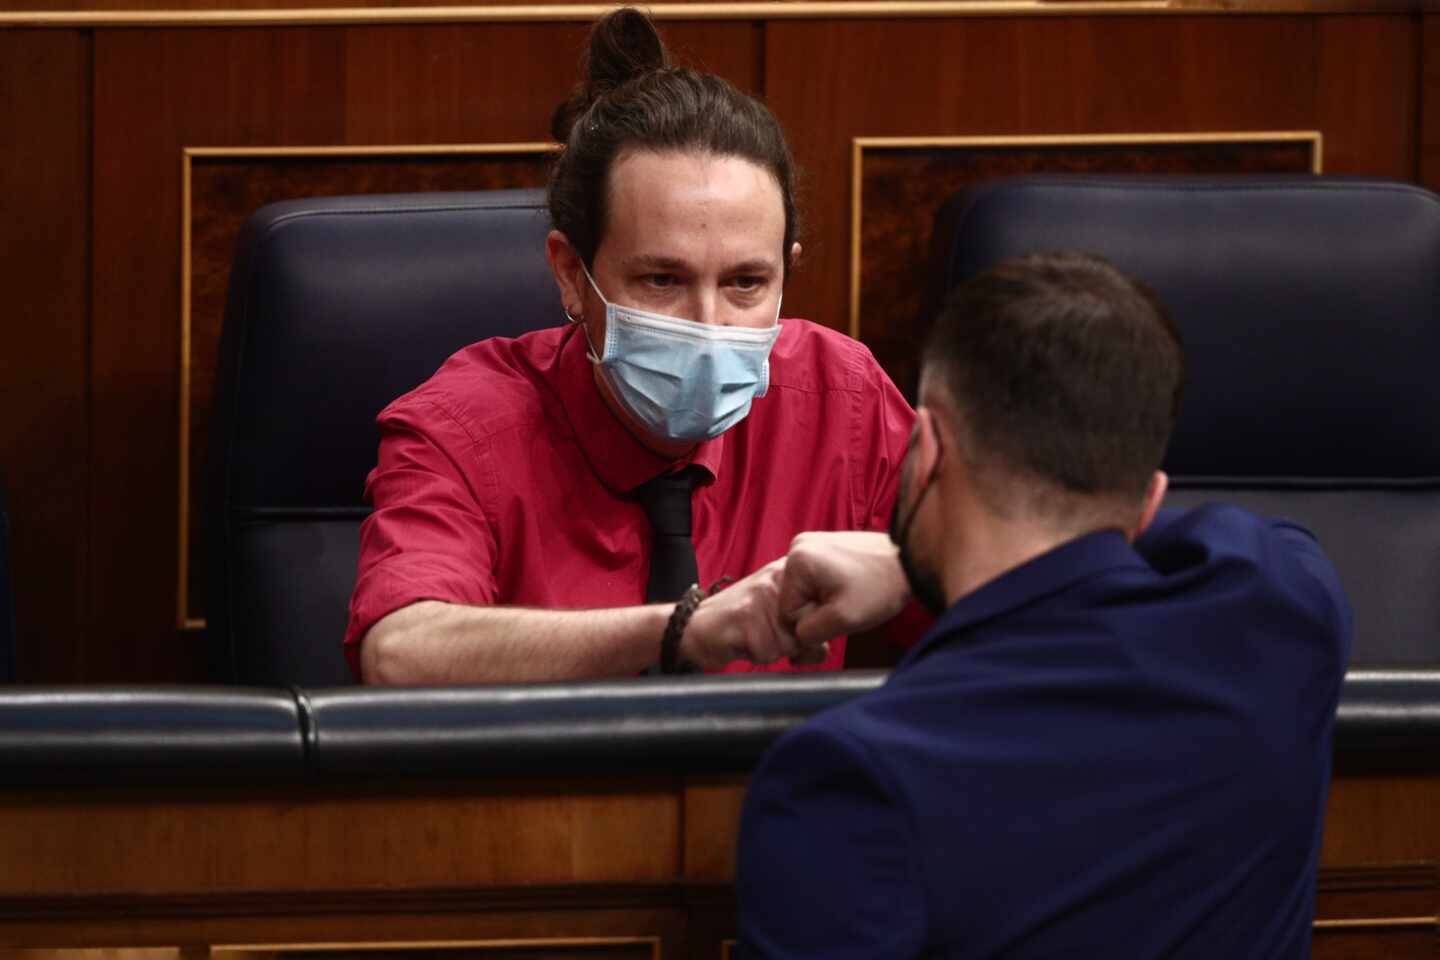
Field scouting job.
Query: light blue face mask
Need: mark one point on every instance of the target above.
(682, 381)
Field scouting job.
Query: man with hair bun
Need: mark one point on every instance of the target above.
(567, 504)
(1115, 741)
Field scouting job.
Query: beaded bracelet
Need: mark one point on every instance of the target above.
(670, 661)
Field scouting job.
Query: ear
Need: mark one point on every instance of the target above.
(1154, 494)
(927, 445)
(795, 254)
(569, 272)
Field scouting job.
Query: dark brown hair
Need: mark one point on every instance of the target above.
(1062, 370)
(631, 97)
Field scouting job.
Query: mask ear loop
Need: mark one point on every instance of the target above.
(580, 320)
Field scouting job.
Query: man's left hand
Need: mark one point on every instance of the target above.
(742, 622)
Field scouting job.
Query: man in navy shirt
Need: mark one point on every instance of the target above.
(1115, 742)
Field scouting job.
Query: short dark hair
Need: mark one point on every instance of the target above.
(1063, 371)
(631, 97)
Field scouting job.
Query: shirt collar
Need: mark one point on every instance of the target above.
(620, 461)
(1049, 573)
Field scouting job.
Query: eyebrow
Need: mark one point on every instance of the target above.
(647, 261)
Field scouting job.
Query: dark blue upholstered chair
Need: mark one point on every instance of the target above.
(1310, 308)
(336, 307)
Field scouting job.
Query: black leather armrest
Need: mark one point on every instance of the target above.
(659, 724)
(1389, 720)
(137, 735)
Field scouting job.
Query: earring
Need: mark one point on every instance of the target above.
(575, 319)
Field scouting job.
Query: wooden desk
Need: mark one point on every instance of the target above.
(592, 868)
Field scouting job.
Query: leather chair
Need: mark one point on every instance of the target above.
(7, 603)
(337, 306)
(1310, 309)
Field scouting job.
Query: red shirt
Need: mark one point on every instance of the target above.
(505, 479)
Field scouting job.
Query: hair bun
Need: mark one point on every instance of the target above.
(623, 45)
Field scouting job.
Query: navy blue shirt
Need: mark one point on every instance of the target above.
(1109, 751)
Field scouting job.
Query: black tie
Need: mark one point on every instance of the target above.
(666, 500)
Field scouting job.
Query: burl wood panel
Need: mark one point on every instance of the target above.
(44, 237)
(902, 187)
(831, 81)
(224, 192)
(158, 92)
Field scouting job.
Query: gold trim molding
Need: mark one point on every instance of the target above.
(859, 145)
(1379, 923)
(257, 951)
(188, 155)
(681, 10)
(700, 10)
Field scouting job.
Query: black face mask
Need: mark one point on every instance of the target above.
(924, 586)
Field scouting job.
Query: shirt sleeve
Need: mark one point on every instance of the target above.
(429, 537)
(825, 867)
(882, 437)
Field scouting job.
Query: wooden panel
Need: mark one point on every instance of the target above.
(158, 92)
(170, 12)
(1376, 942)
(1351, 895)
(44, 153)
(712, 821)
(1373, 820)
(831, 81)
(1368, 95)
(61, 843)
(1430, 104)
(597, 866)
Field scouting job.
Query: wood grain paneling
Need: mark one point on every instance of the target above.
(44, 243)
(1376, 942)
(594, 863)
(1373, 820)
(1368, 94)
(712, 820)
(158, 92)
(94, 12)
(830, 81)
(155, 94)
(69, 844)
(1430, 102)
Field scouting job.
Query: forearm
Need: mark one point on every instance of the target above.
(444, 643)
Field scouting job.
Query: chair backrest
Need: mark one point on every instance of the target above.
(336, 307)
(7, 602)
(1310, 309)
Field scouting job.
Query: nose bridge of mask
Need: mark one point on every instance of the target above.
(681, 379)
